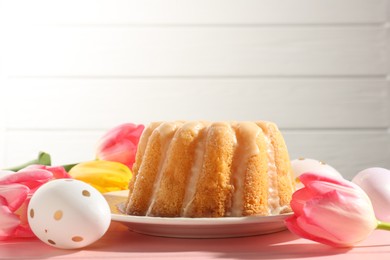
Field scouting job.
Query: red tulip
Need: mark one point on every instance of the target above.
(120, 144)
(332, 211)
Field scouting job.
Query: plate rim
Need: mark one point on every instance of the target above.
(120, 217)
(198, 221)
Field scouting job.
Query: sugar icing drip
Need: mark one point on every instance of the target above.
(195, 170)
(165, 130)
(273, 194)
(145, 137)
(246, 147)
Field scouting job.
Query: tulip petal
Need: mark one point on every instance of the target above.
(299, 198)
(121, 152)
(300, 227)
(308, 178)
(117, 134)
(293, 226)
(321, 188)
(319, 234)
(23, 231)
(120, 144)
(103, 175)
(58, 172)
(14, 195)
(5, 173)
(320, 185)
(32, 178)
(9, 222)
(130, 131)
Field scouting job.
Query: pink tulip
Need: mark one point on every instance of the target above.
(331, 211)
(120, 144)
(16, 188)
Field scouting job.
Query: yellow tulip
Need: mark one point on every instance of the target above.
(105, 176)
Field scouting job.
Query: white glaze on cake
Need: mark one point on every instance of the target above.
(273, 195)
(165, 130)
(245, 149)
(195, 170)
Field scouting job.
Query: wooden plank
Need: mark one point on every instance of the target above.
(196, 11)
(65, 147)
(102, 103)
(2, 124)
(196, 52)
(2, 88)
(347, 151)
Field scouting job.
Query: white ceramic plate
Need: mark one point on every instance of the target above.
(194, 227)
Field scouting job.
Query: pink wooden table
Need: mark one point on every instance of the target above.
(119, 243)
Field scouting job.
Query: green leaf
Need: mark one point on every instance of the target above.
(44, 159)
(67, 167)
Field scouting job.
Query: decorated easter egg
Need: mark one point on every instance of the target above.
(304, 165)
(376, 183)
(68, 213)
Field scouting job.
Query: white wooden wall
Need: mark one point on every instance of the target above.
(72, 69)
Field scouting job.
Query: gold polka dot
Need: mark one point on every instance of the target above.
(58, 215)
(301, 158)
(322, 163)
(31, 213)
(51, 242)
(86, 193)
(77, 239)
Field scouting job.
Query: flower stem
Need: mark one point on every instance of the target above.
(383, 225)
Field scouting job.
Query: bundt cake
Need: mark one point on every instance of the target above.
(203, 169)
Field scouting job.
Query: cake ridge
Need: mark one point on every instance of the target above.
(214, 178)
(279, 201)
(195, 170)
(149, 168)
(166, 130)
(273, 194)
(174, 175)
(144, 140)
(246, 147)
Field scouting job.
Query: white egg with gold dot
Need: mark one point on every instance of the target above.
(304, 165)
(68, 213)
(376, 183)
